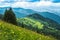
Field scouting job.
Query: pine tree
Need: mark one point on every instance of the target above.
(9, 16)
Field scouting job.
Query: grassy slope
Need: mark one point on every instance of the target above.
(28, 21)
(12, 32)
(46, 29)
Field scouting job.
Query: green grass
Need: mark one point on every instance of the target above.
(12, 32)
(28, 21)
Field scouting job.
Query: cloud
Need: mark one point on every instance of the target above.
(28, 0)
(38, 6)
(31, 4)
(1, 0)
(19, 0)
(55, 1)
(42, 5)
(5, 5)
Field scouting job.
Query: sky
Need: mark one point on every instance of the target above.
(25, 3)
(37, 5)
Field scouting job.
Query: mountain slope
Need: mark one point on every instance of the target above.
(24, 12)
(51, 16)
(12, 32)
(21, 12)
(45, 20)
(40, 24)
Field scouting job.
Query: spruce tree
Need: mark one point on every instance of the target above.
(9, 16)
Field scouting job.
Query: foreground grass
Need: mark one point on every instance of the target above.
(12, 32)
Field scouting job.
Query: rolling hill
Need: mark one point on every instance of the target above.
(21, 13)
(45, 20)
(40, 24)
(12, 32)
(51, 16)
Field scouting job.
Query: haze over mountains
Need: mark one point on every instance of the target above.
(21, 12)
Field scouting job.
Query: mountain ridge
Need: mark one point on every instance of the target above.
(51, 16)
(21, 13)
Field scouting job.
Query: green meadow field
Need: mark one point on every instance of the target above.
(11, 32)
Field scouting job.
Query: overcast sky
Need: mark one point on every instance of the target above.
(27, 3)
(38, 5)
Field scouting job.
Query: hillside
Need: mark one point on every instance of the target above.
(12, 32)
(24, 12)
(39, 24)
(44, 20)
(21, 13)
(51, 16)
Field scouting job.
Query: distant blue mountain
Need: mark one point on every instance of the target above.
(21, 12)
(51, 16)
